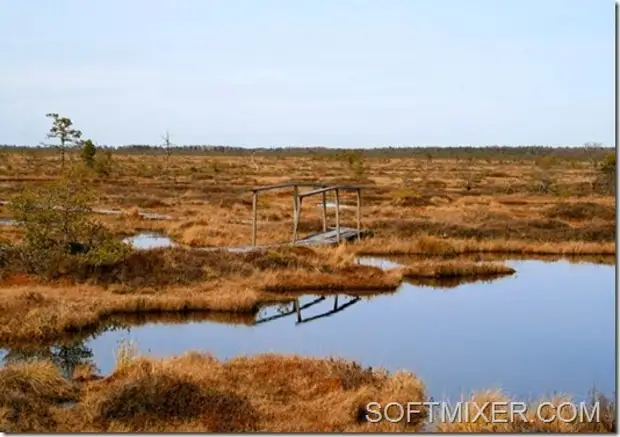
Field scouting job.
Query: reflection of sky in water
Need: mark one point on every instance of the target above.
(148, 240)
(548, 328)
(382, 263)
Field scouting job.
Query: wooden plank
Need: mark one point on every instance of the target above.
(330, 235)
(287, 185)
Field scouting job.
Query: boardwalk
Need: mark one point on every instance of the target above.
(330, 236)
(316, 239)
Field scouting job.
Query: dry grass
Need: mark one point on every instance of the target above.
(29, 394)
(51, 312)
(523, 201)
(456, 269)
(495, 257)
(197, 393)
(264, 393)
(434, 246)
(182, 281)
(351, 279)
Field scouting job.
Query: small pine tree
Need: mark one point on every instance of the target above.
(88, 153)
(66, 134)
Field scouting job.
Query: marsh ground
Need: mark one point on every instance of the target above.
(434, 209)
(548, 199)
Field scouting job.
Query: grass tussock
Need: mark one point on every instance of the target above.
(264, 393)
(30, 394)
(346, 279)
(268, 393)
(455, 269)
(579, 211)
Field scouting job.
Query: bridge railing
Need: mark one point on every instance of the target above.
(317, 189)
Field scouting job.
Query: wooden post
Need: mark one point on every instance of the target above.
(335, 302)
(254, 207)
(324, 211)
(359, 214)
(337, 216)
(295, 213)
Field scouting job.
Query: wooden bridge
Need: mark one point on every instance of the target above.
(329, 235)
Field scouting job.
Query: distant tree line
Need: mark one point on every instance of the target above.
(585, 152)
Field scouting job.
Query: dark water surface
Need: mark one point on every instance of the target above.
(549, 328)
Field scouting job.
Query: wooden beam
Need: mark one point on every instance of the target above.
(295, 213)
(287, 185)
(331, 188)
(254, 207)
(337, 216)
(324, 211)
(359, 214)
(318, 191)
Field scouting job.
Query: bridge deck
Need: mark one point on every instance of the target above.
(329, 236)
(317, 238)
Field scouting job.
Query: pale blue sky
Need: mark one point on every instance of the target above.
(348, 73)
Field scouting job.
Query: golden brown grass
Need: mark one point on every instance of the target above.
(264, 393)
(522, 201)
(206, 281)
(456, 269)
(30, 393)
(198, 393)
(434, 246)
(49, 312)
(495, 257)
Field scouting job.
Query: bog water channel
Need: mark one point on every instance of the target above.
(550, 328)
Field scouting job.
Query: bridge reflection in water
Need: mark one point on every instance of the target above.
(340, 303)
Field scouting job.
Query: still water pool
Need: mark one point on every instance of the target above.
(549, 328)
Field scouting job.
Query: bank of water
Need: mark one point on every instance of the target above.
(549, 328)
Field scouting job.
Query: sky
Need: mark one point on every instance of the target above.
(336, 73)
